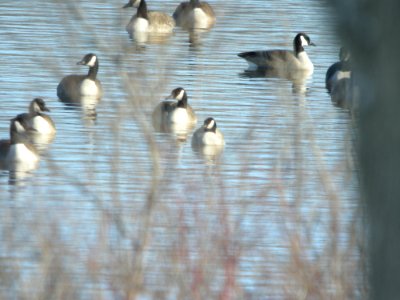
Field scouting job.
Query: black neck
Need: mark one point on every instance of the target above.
(195, 3)
(297, 46)
(345, 65)
(32, 110)
(93, 70)
(183, 102)
(142, 10)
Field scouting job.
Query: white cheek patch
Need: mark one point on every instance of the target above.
(36, 107)
(141, 25)
(210, 125)
(19, 127)
(41, 125)
(303, 41)
(136, 3)
(89, 88)
(180, 95)
(92, 61)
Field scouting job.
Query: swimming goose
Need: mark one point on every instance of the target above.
(16, 154)
(73, 88)
(148, 21)
(289, 61)
(339, 70)
(208, 134)
(175, 112)
(194, 14)
(36, 121)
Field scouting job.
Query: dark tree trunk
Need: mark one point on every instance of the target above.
(372, 29)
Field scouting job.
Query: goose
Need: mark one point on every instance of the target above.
(208, 134)
(339, 70)
(290, 61)
(16, 154)
(175, 112)
(36, 121)
(145, 21)
(194, 14)
(73, 88)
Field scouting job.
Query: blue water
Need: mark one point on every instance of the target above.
(286, 153)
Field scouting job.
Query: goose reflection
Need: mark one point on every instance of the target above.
(298, 78)
(180, 132)
(18, 177)
(210, 154)
(85, 106)
(196, 37)
(41, 141)
(150, 38)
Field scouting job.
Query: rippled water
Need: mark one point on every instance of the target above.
(285, 171)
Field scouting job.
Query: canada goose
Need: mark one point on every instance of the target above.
(175, 112)
(282, 59)
(16, 154)
(73, 88)
(36, 121)
(339, 70)
(148, 21)
(208, 134)
(194, 14)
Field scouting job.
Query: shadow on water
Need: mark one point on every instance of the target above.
(18, 171)
(298, 79)
(41, 141)
(179, 132)
(84, 105)
(196, 37)
(141, 39)
(210, 154)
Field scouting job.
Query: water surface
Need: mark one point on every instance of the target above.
(285, 174)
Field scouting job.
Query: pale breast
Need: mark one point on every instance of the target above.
(42, 125)
(305, 62)
(211, 138)
(138, 25)
(21, 158)
(179, 115)
(341, 75)
(89, 88)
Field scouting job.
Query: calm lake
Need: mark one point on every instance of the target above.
(116, 210)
